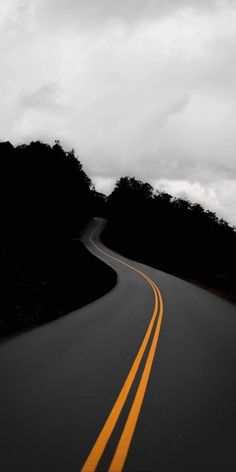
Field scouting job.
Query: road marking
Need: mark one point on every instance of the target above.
(129, 428)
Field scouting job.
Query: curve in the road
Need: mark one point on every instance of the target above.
(153, 331)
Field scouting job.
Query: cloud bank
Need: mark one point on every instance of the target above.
(138, 88)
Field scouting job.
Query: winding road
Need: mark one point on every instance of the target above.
(141, 380)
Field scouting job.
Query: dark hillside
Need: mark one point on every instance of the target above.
(172, 234)
(46, 201)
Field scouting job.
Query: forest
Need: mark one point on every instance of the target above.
(172, 235)
(44, 209)
(47, 200)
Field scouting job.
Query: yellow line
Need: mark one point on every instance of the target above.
(119, 260)
(129, 428)
(103, 438)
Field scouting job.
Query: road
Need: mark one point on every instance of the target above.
(62, 382)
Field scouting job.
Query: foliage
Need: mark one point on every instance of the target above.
(172, 234)
(45, 206)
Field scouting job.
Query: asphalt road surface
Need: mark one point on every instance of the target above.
(92, 391)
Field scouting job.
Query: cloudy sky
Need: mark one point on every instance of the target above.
(145, 88)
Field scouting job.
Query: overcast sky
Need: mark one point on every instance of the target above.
(145, 88)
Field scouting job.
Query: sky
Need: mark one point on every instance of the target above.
(144, 88)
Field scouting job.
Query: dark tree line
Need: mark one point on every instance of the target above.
(52, 193)
(51, 198)
(171, 234)
(46, 199)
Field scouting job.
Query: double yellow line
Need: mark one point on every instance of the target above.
(121, 452)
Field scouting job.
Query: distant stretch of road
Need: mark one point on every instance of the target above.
(142, 379)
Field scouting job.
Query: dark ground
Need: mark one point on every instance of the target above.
(54, 281)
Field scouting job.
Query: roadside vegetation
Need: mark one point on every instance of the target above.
(43, 213)
(44, 210)
(172, 235)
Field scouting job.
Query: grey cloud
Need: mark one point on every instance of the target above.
(154, 167)
(155, 102)
(217, 68)
(82, 13)
(45, 97)
(192, 169)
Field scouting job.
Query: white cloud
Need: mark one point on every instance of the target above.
(138, 88)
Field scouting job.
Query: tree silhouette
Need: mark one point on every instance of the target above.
(43, 210)
(52, 193)
(171, 234)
